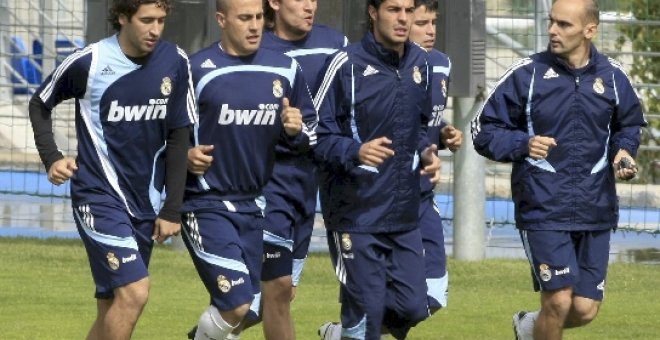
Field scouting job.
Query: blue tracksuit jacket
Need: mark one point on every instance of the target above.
(591, 113)
(369, 92)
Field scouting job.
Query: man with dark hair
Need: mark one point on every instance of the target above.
(134, 109)
(291, 192)
(569, 120)
(374, 105)
(250, 99)
(423, 32)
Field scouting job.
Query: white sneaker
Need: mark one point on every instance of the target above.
(523, 325)
(330, 331)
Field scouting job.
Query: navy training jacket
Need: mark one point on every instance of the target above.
(439, 67)
(369, 92)
(591, 113)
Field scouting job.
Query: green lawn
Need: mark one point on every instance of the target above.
(46, 292)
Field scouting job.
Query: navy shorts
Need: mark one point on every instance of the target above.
(118, 246)
(382, 282)
(302, 237)
(576, 259)
(277, 258)
(291, 196)
(277, 238)
(226, 248)
(435, 258)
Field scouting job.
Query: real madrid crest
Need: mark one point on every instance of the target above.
(599, 87)
(278, 91)
(223, 284)
(545, 272)
(166, 86)
(113, 261)
(417, 76)
(346, 243)
(443, 86)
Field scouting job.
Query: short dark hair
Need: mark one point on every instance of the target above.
(130, 7)
(376, 4)
(431, 5)
(269, 15)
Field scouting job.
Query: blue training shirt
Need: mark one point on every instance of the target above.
(439, 68)
(311, 52)
(123, 114)
(239, 105)
(294, 176)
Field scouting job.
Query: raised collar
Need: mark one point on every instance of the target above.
(387, 55)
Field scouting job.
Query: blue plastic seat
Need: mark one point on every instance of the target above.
(65, 46)
(24, 69)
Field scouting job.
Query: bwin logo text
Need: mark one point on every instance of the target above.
(157, 109)
(265, 115)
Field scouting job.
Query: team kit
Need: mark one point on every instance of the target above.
(233, 146)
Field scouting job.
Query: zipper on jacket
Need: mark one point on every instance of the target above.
(577, 81)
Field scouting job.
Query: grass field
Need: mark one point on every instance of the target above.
(46, 292)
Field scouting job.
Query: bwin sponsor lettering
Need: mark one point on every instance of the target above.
(265, 115)
(131, 258)
(157, 109)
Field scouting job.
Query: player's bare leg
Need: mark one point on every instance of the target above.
(102, 307)
(583, 311)
(555, 307)
(276, 317)
(117, 317)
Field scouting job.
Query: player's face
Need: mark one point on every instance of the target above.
(569, 33)
(140, 34)
(242, 25)
(422, 30)
(391, 22)
(295, 17)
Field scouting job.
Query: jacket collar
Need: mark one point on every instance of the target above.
(388, 56)
(593, 60)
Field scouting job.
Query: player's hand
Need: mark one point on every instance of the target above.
(62, 170)
(199, 159)
(291, 118)
(624, 165)
(164, 229)
(375, 151)
(451, 137)
(540, 146)
(431, 163)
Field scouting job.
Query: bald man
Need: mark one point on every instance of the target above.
(569, 121)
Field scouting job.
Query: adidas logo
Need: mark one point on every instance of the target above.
(107, 71)
(208, 64)
(369, 71)
(550, 74)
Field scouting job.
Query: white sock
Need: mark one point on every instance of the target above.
(533, 316)
(527, 324)
(211, 326)
(330, 331)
